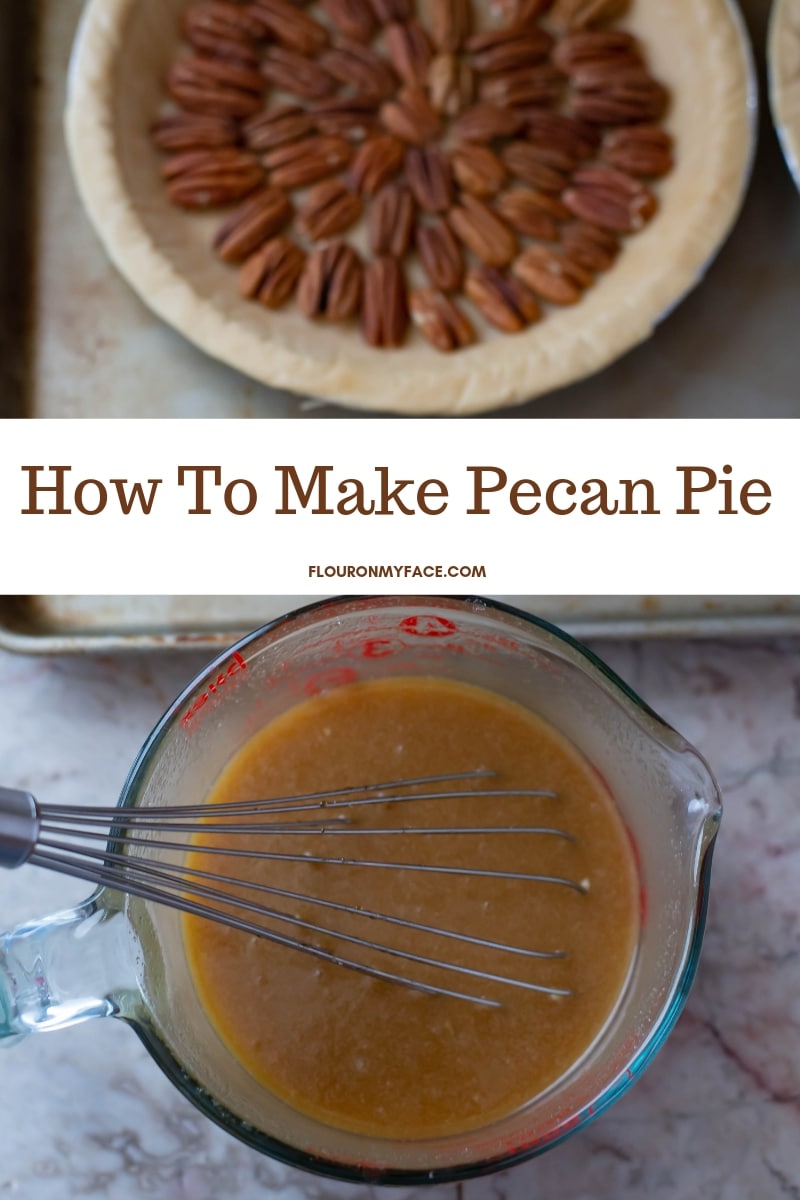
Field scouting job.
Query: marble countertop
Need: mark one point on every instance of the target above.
(86, 1113)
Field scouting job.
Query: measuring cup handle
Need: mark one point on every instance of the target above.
(68, 968)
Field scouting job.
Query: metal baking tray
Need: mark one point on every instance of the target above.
(83, 624)
(75, 341)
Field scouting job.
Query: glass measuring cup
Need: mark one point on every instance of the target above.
(112, 957)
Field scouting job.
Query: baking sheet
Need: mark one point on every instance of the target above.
(77, 342)
(83, 624)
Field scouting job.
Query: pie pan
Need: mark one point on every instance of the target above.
(784, 79)
(123, 50)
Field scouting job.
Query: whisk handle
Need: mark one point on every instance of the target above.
(19, 827)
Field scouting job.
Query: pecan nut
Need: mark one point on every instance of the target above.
(551, 275)
(360, 68)
(277, 127)
(307, 161)
(392, 217)
(353, 18)
(483, 122)
(611, 199)
(410, 116)
(596, 46)
(451, 84)
(590, 247)
(409, 50)
(271, 274)
(392, 10)
(222, 30)
(253, 224)
(290, 26)
(430, 178)
(215, 87)
(525, 161)
(440, 255)
(351, 117)
(192, 131)
(384, 312)
(557, 131)
(482, 231)
(331, 283)
(531, 86)
(377, 161)
(521, 209)
(296, 74)
(198, 179)
(477, 169)
(641, 150)
(497, 50)
(503, 301)
(451, 22)
(329, 208)
(439, 321)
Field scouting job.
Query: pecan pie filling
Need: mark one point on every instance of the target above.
(395, 167)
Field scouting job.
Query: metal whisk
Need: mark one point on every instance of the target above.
(109, 846)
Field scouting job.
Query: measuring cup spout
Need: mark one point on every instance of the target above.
(65, 969)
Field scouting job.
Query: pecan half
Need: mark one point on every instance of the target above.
(524, 160)
(331, 283)
(621, 99)
(525, 86)
(585, 14)
(191, 131)
(409, 49)
(253, 224)
(451, 84)
(641, 150)
(362, 69)
(271, 274)
(354, 18)
(384, 312)
(439, 321)
(482, 231)
(376, 162)
(495, 50)
(410, 116)
(596, 45)
(483, 122)
(392, 10)
(198, 179)
(478, 169)
(590, 247)
(277, 127)
(520, 208)
(329, 208)
(290, 26)
(440, 255)
(351, 116)
(523, 12)
(215, 87)
(611, 199)
(576, 139)
(392, 216)
(430, 178)
(307, 161)
(451, 22)
(296, 74)
(223, 30)
(504, 302)
(551, 275)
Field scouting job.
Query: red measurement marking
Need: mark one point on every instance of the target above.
(237, 664)
(380, 648)
(429, 626)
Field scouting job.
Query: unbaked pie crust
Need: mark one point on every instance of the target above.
(784, 63)
(696, 47)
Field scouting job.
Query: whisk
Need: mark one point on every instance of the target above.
(107, 846)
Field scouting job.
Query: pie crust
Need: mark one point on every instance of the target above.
(123, 50)
(784, 64)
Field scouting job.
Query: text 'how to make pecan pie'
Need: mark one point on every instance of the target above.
(389, 163)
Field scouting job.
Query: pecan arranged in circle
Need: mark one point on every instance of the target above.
(381, 159)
